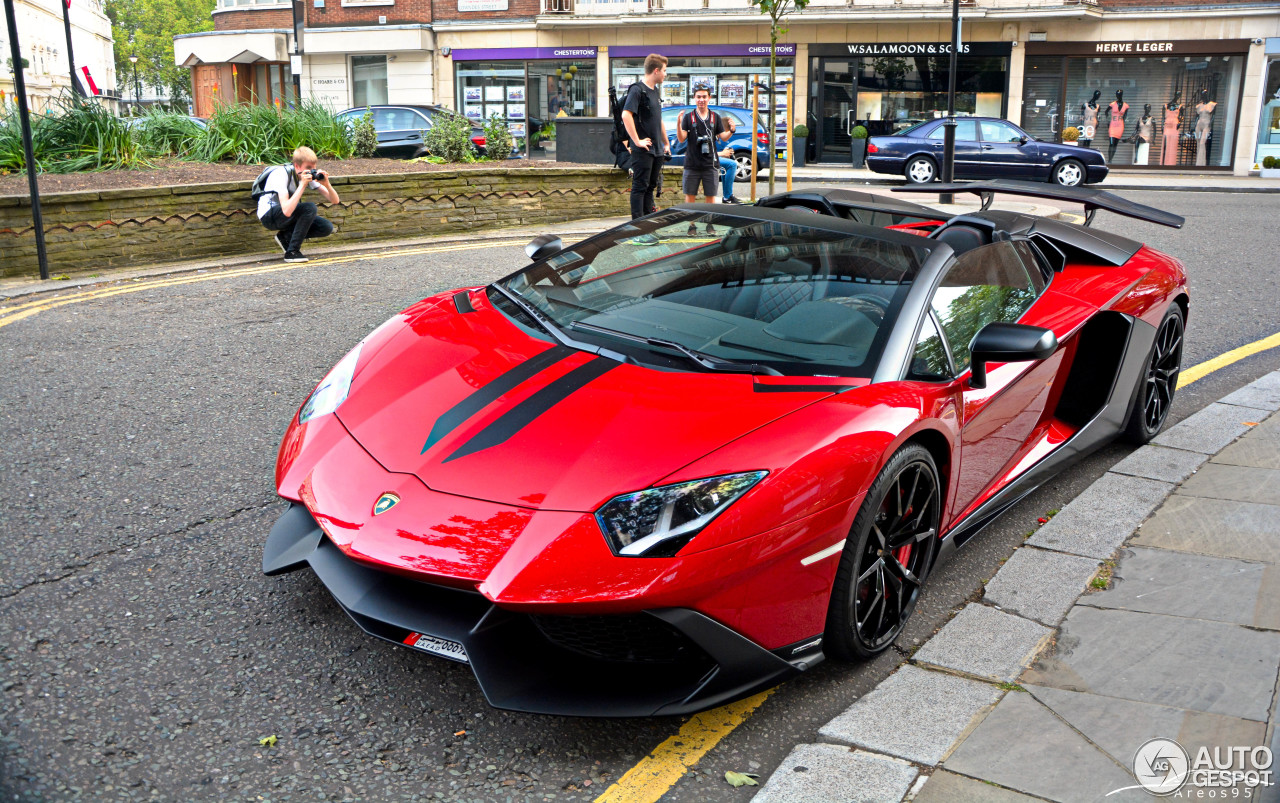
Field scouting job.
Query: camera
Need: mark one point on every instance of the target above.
(704, 145)
(317, 175)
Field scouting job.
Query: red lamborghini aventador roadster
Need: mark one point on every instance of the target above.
(684, 459)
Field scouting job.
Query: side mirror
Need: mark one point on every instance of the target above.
(1024, 140)
(1007, 342)
(544, 245)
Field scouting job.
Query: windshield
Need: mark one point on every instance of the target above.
(799, 299)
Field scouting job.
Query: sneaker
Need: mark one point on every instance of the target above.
(294, 256)
(281, 241)
(693, 230)
(731, 200)
(645, 239)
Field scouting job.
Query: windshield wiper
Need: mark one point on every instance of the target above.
(545, 322)
(702, 359)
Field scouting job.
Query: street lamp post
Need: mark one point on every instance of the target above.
(24, 121)
(949, 135)
(137, 88)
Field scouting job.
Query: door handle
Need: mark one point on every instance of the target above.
(988, 147)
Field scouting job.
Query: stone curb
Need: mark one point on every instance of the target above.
(924, 711)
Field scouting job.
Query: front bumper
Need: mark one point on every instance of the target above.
(657, 662)
(1095, 173)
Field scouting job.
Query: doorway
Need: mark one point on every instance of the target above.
(836, 94)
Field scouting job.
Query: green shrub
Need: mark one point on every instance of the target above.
(255, 134)
(161, 133)
(1070, 134)
(858, 132)
(801, 130)
(450, 138)
(83, 135)
(497, 138)
(1270, 162)
(364, 137)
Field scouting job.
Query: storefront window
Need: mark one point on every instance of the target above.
(1193, 105)
(728, 78)
(368, 80)
(1269, 125)
(895, 92)
(529, 95)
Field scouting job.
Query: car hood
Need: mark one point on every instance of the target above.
(473, 406)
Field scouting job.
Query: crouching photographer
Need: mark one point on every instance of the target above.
(281, 209)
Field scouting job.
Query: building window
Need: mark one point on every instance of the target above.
(368, 80)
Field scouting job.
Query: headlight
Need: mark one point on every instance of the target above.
(657, 522)
(333, 388)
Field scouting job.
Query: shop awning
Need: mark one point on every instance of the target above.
(230, 47)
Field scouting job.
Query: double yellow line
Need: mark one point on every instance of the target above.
(17, 312)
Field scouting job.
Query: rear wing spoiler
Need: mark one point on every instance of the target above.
(1092, 199)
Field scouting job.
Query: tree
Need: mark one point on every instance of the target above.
(777, 11)
(145, 28)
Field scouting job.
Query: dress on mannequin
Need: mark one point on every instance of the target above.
(1204, 126)
(1169, 148)
(1116, 110)
(1090, 125)
(1142, 142)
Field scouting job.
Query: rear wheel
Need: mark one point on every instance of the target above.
(920, 170)
(1068, 173)
(1149, 408)
(743, 158)
(886, 557)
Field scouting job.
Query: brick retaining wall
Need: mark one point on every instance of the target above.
(90, 230)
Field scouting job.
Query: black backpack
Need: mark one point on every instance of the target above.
(259, 187)
(618, 138)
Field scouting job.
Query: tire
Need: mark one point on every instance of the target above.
(1149, 407)
(920, 170)
(743, 158)
(873, 597)
(1068, 173)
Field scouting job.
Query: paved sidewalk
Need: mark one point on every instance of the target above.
(1147, 608)
(1117, 179)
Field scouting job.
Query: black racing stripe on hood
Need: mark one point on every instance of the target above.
(761, 388)
(486, 395)
(523, 414)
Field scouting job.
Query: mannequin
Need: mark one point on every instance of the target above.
(1143, 136)
(1116, 111)
(1172, 119)
(1089, 125)
(1204, 127)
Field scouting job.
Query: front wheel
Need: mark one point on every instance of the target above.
(1151, 401)
(886, 558)
(1068, 173)
(921, 170)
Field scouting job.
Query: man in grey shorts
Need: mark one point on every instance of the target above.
(702, 130)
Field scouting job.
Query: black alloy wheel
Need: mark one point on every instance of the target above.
(1154, 396)
(886, 558)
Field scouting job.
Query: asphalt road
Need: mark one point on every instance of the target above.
(144, 655)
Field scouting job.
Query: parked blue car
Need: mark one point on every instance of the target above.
(740, 141)
(986, 147)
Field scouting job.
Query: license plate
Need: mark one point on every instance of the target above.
(437, 646)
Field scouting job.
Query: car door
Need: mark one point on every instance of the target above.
(996, 282)
(1002, 153)
(399, 131)
(966, 147)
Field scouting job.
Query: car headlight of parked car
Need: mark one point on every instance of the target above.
(657, 522)
(333, 389)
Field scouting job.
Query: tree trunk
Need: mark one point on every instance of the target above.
(773, 83)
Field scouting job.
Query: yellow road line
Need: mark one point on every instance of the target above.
(658, 772)
(1223, 360)
(17, 312)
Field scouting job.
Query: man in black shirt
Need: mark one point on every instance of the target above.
(642, 117)
(704, 130)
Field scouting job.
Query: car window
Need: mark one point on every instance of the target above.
(929, 363)
(984, 285)
(999, 131)
(669, 120)
(966, 131)
(738, 122)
